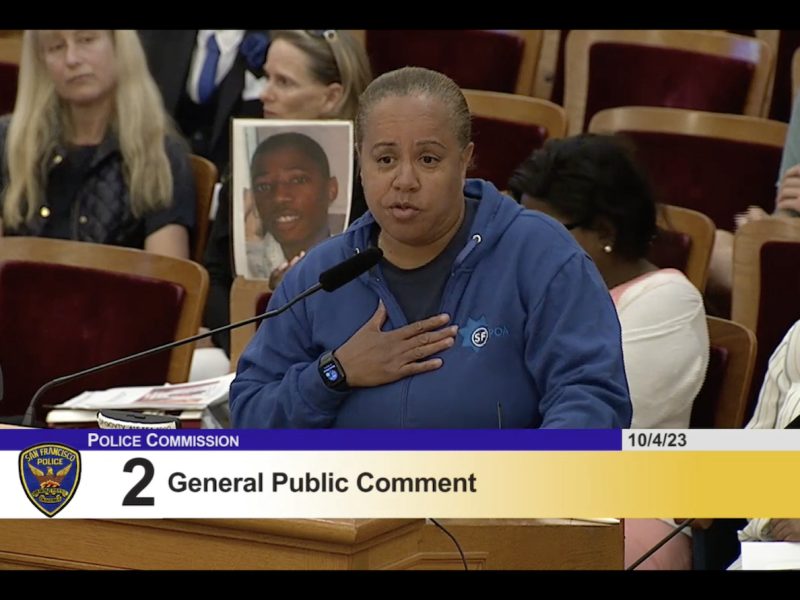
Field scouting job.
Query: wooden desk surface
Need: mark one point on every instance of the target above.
(335, 544)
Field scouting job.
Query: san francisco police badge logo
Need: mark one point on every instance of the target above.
(50, 474)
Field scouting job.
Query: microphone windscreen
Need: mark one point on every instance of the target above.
(346, 271)
(120, 419)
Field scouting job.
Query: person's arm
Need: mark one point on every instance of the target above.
(665, 346)
(574, 351)
(218, 261)
(791, 147)
(170, 240)
(278, 383)
(778, 403)
(787, 202)
(168, 231)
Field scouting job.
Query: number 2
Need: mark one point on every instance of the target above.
(132, 498)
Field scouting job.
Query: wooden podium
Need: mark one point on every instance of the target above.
(338, 544)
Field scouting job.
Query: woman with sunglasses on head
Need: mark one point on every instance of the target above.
(310, 74)
(593, 186)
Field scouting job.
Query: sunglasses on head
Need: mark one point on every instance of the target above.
(327, 34)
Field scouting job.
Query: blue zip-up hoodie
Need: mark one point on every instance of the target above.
(538, 342)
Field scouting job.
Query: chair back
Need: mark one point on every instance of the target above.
(206, 176)
(722, 401)
(249, 297)
(716, 164)
(506, 128)
(684, 242)
(710, 71)
(499, 60)
(766, 287)
(66, 306)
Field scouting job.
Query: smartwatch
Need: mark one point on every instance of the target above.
(332, 372)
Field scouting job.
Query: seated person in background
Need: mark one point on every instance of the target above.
(207, 77)
(594, 187)
(291, 190)
(309, 75)
(778, 405)
(88, 153)
(480, 315)
(787, 206)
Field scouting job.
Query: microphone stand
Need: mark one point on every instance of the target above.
(655, 548)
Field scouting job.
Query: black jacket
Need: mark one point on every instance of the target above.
(101, 207)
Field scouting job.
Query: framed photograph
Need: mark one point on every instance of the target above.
(292, 188)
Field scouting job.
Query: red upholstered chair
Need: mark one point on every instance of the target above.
(700, 70)
(205, 178)
(722, 401)
(66, 306)
(499, 60)
(684, 242)
(249, 297)
(506, 128)
(766, 286)
(713, 163)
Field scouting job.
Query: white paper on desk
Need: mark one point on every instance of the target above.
(770, 556)
(195, 395)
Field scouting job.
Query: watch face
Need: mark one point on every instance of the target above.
(331, 373)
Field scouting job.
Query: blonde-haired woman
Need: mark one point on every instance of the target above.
(89, 153)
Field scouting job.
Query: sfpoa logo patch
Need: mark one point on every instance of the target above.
(477, 332)
(50, 474)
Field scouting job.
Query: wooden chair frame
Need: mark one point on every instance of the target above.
(192, 277)
(206, 176)
(652, 119)
(715, 43)
(517, 108)
(747, 245)
(244, 295)
(701, 230)
(526, 76)
(740, 342)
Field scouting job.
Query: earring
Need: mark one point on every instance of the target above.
(608, 249)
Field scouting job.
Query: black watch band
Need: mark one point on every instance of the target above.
(332, 373)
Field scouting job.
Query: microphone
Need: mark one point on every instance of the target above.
(349, 269)
(329, 280)
(658, 546)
